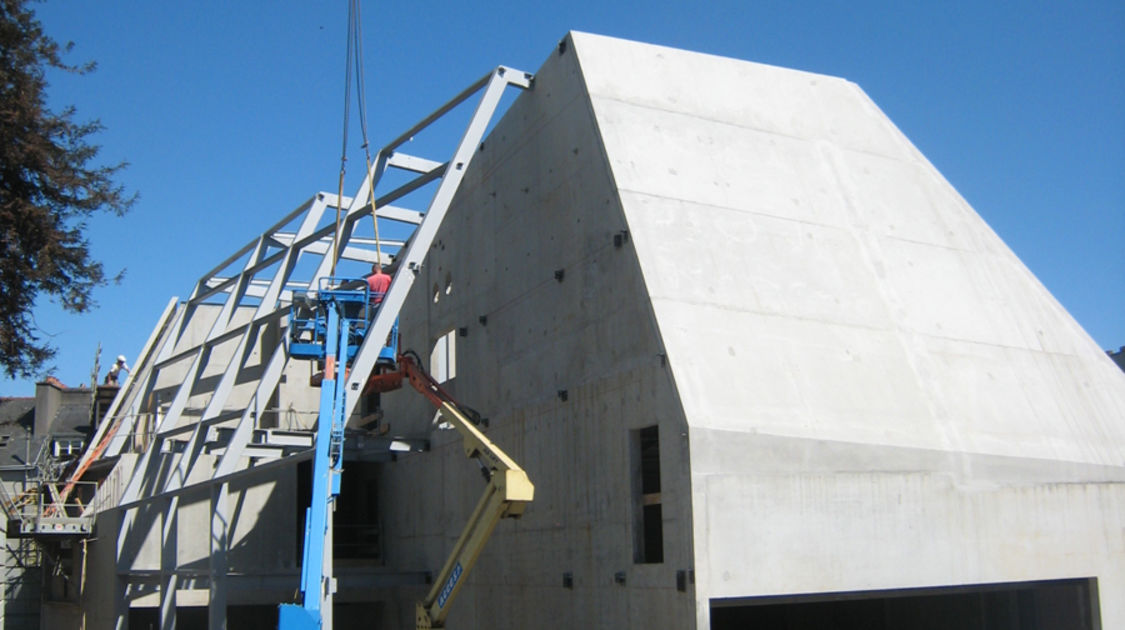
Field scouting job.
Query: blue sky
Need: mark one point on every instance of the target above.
(230, 115)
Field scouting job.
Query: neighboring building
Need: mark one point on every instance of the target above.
(22, 577)
(39, 437)
(1118, 357)
(761, 361)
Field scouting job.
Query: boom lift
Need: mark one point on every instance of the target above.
(507, 494)
(330, 328)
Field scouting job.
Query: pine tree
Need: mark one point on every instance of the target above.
(50, 183)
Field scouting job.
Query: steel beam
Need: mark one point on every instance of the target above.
(265, 284)
(419, 245)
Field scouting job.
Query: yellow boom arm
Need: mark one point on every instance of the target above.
(508, 492)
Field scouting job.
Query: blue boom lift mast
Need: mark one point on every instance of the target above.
(329, 329)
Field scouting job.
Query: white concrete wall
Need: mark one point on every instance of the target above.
(825, 295)
(262, 544)
(538, 198)
(857, 385)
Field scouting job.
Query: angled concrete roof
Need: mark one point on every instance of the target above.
(795, 242)
(861, 386)
(867, 371)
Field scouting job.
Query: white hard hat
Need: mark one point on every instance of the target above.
(120, 358)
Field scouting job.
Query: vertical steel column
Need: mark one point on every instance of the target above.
(169, 580)
(217, 570)
(411, 260)
(316, 593)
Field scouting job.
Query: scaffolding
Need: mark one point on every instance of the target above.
(242, 303)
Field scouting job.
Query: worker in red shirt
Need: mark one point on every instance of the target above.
(377, 284)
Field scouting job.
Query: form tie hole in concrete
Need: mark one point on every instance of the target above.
(560, 274)
(483, 319)
(568, 580)
(620, 238)
(563, 395)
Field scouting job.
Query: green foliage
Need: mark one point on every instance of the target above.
(50, 183)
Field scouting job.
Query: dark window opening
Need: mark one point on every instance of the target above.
(251, 617)
(247, 617)
(356, 520)
(648, 513)
(304, 497)
(650, 460)
(653, 534)
(1053, 605)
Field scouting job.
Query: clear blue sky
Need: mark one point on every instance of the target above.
(230, 115)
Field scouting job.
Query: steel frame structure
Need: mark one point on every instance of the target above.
(158, 474)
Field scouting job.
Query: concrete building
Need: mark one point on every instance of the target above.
(20, 558)
(762, 362)
(39, 437)
(1118, 357)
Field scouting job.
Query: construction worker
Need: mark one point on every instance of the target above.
(378, 283)
(115, 369)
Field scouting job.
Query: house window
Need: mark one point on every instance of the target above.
(67, 447)
(648, 517)
(443, 358)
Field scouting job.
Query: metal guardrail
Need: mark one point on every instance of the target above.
(37, 512)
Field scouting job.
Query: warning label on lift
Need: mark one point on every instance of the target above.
(449, 585)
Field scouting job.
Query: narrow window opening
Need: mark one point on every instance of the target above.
(304, 498)
(648, 513)
(443, 358)
(357, 534)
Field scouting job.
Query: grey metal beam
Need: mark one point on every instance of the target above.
(217, 567)
(395, 213)
(141, 369)
(411, 163)
(436, 114)
(355, 253)
(222, 322)
(420, 243)
(283, 580)
(246, 248)
(168, 564)
(230, 478)
(226, 336)
(187, 461)
(250, 288)
(245, 429)
(291, 257)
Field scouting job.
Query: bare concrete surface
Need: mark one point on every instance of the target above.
(856, 386)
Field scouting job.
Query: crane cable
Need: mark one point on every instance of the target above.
(354, 58)
(361, 87)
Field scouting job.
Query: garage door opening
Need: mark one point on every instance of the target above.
(1051, 605)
